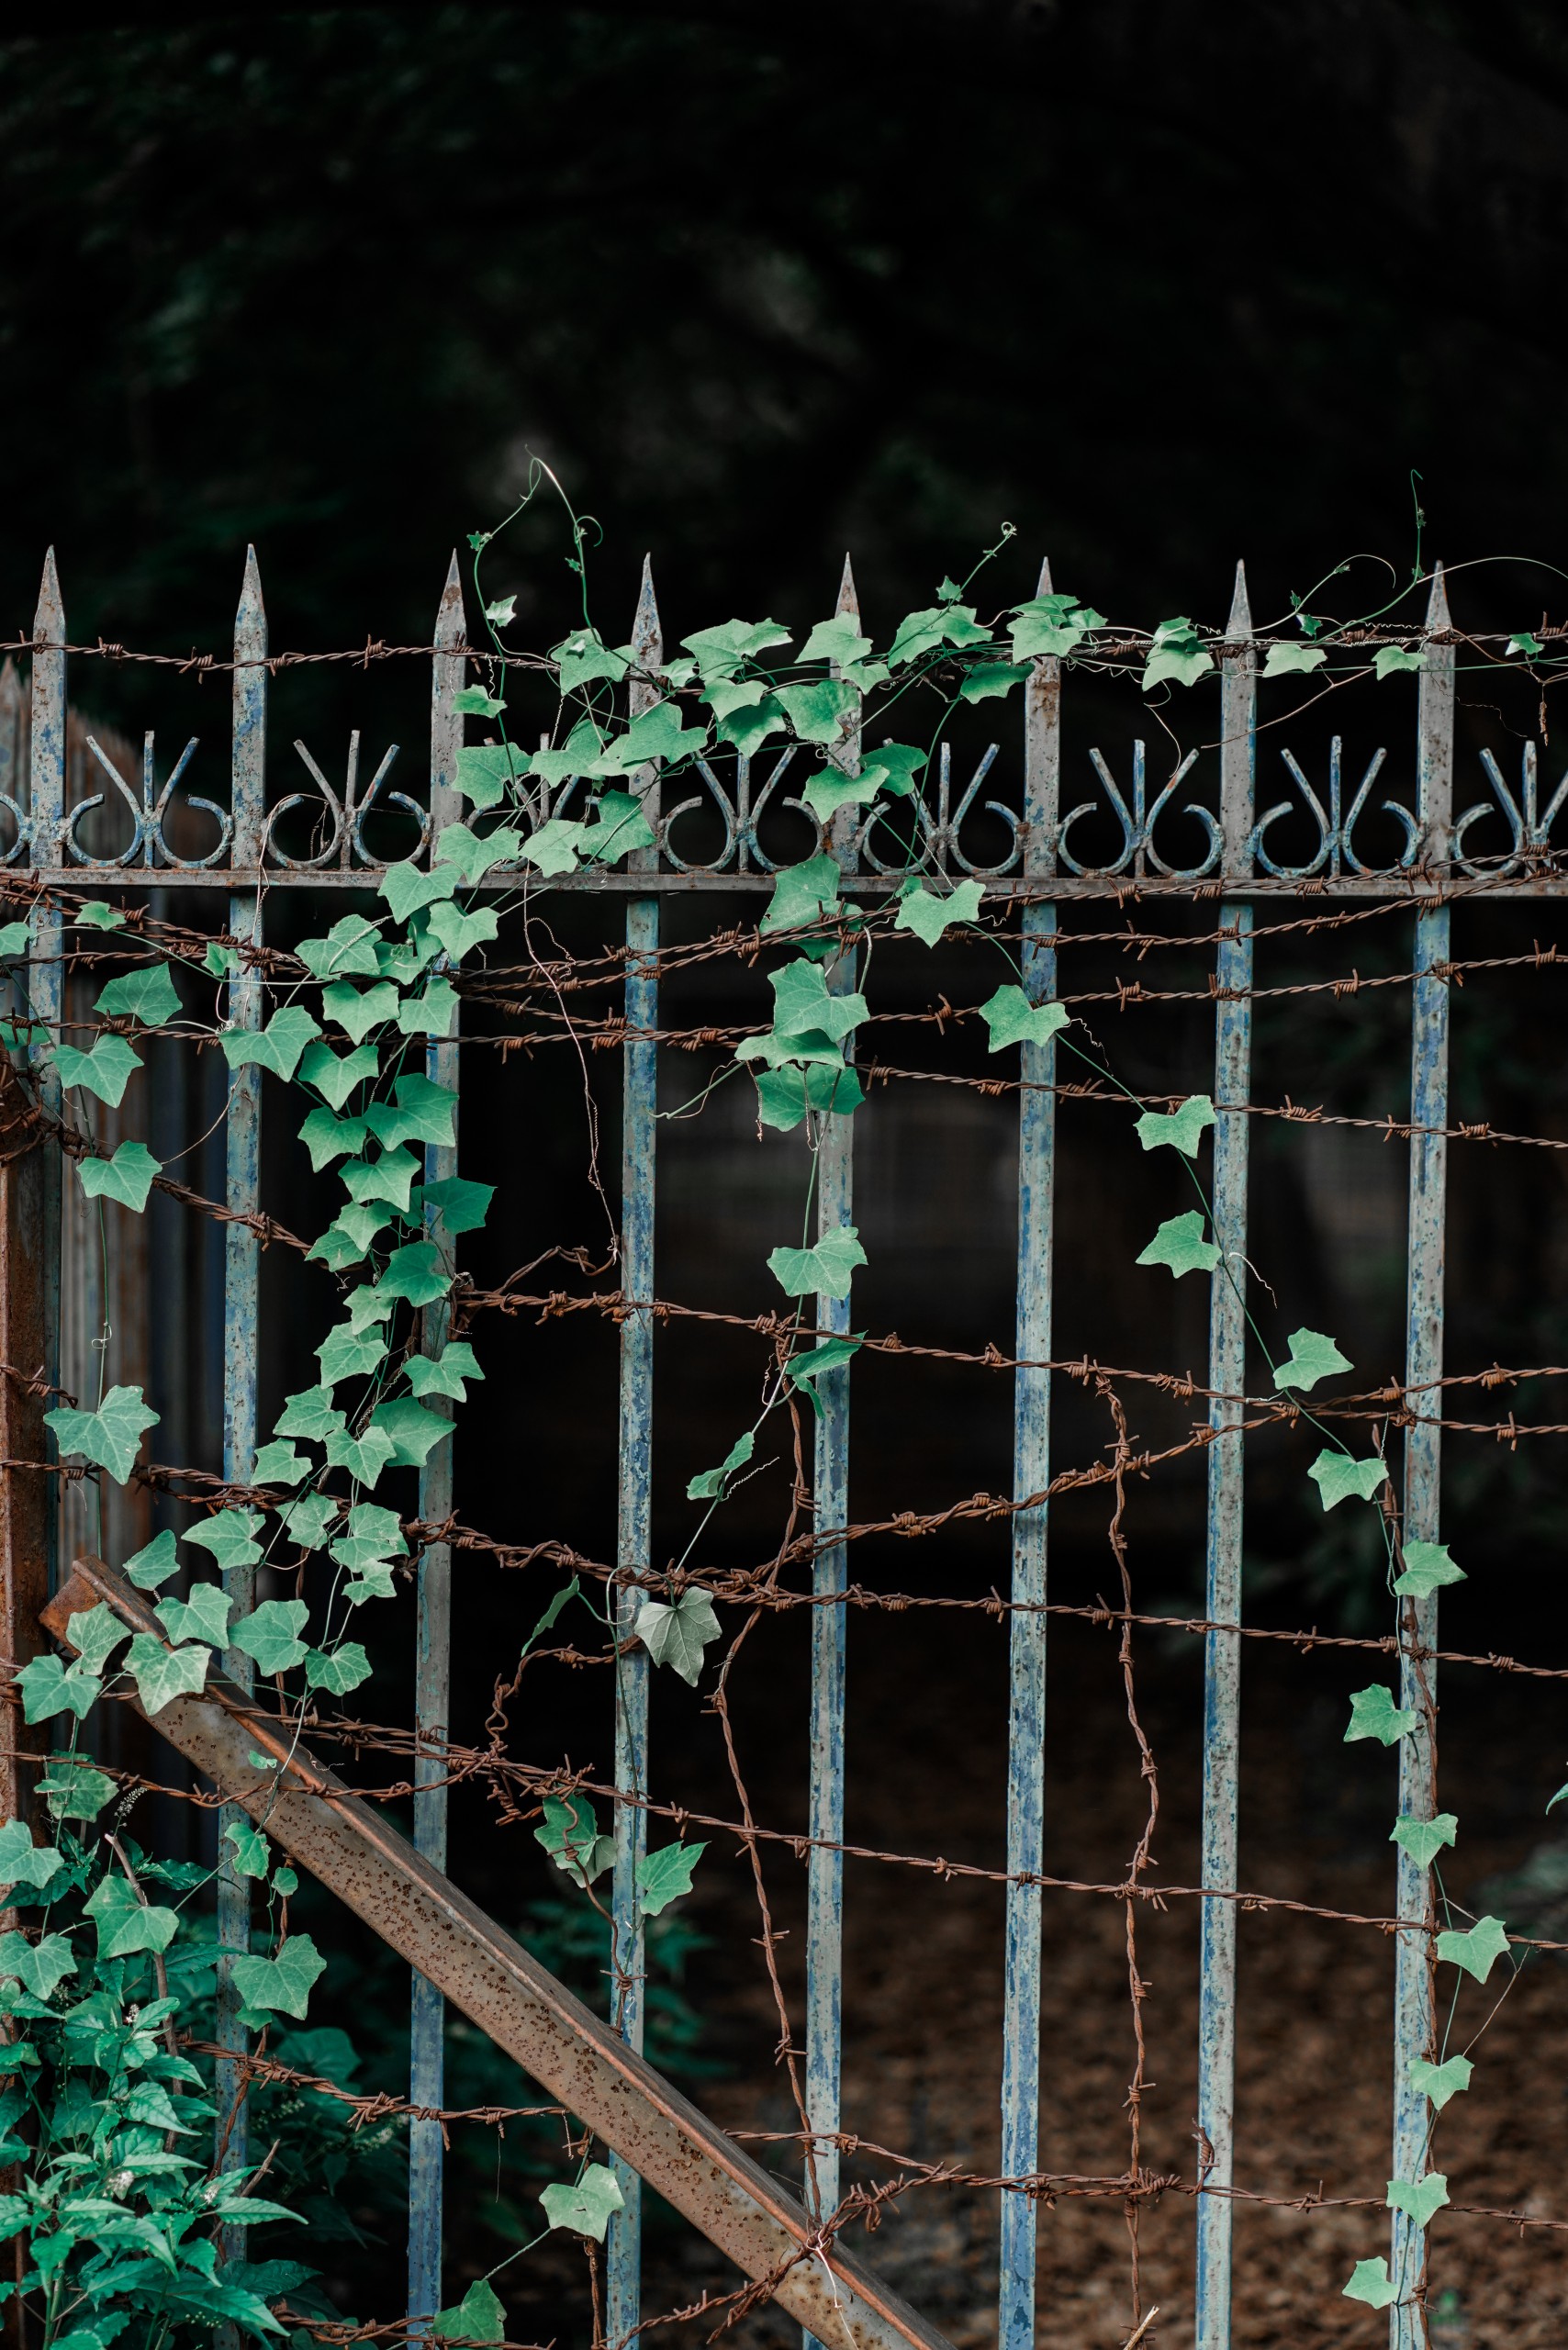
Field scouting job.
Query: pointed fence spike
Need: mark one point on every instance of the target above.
(1240, 621)
(49, 621)
(1437, 601)
(647, 636)
(250, 620)
(848, 602)
(1044, 587)
(449, 620)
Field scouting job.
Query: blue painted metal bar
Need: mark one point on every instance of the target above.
(242, 1323)
(1227, 1374)
(829, 1491)
(433, 1630)
(1031, 1473)
(634, 1537)
(1423, 1362)
(46, 985)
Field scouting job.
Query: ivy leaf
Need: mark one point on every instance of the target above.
(148, 995)
(444, 1374)
(486, 770)
(308, 1519)
(719, 652)
(358, 1009)
(747, 729)
(107, 1070)
(802, 1004)
(337, 1075)
(839, 640)
(664, 1876)
(479, 2316)
(784, 1095)
(920, 633)
(552, 846)
(365, 1456)
(1048, 628)
(373, 1582)
(253, 1853)
(348, 950)
(15, 939)
(127, 1176)
(110, 1437)
(620, 826)
(270, 1635)
(709, 1484)
(1371, 2282)
(825, 1270)
(204, 1617)
(1373, 1714)
(310, 1414)
(1286, 660)
(154, 1563)
(125, 1924)
(95, 1633)
(424, 1109)
(1176, 653)
(24, 1862)
(230, 1536)
(280, 1984)
(582, 660)
(677, 1634)
(586, 2206)
(1427, 1568)
(1391, 659)
(279, 1464)
(819, 712)
(407, 887)
(391, 1177)
(73, 1790)
(928, 916)
(414, 1430)
(348, 1353)
(458, 932)
(804, 1371)
(431, 1014)
(570, 1835)
(277, 1047)
(1012, 1019)
(414, 1273)
(49, 1688)
(337, 1670)
(461, 1205)
(1182, 1129)
(162, 1675)
(97, 914)
(1179, 1244)
(1424, 1839)
(347, 1239)
(802, 893)
(473, 856)
(1338, 1476)
(40, 1967)
(1440, 2082)
(1313, 1356)
(992, 679)
(1523, 643)
(1478, 1951)
(1419, 2198)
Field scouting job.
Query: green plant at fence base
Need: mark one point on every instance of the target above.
(101, 2112)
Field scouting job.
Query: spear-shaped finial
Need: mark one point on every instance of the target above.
(49, 621)
(449, 620)
(647, 636)
(1239, 624)
(1043, 588)
(848, 604)
(1438, 614)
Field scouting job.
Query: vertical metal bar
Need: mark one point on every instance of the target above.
(1423, 1363)
(46, 985)
(1031, 1473)
(1228, 1372)
(634, 1538)
(432, 1631)
(241, 1305)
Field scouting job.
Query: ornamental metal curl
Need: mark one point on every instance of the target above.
(1532, 831)
(1334, 847)
(1138, 824)
(147, 845)
(346, 846)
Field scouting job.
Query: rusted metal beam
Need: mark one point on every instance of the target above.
(26, 1164)
(569, 2051)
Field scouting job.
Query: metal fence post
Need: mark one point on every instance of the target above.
(46, 983)
(633, 1539)
(433, 1632)
(1031, 1473)
(1423, 1364)
(1228, 1376)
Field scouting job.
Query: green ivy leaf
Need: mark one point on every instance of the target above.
(358, 1009)
(1424, 1839)
(620, 826)
(804, 1371)
(204, 1617)
(162, 1675)
(425, 1111)
(337, 1075)
(365, 1456)
(154, 1563)
(414, 1430)
(458, 932)
(347, 1239)
(24, 1862)
(1338, 1476)
(107, 1070)
(309, 1518)
(586, 2205)
(408, 886)
(1476, 1951)
(747, 729)
(820, 712)
(552, 846)
(49, 1688)
(1287, 660)
(281, 1985)
(802, 893)
(1371, 2282)
(253, 1853)
(1523, 643)
(676, 1635)
(95, 1633)
(928, 916)
(993, 678)
(1420, 2198)
(337, 1670)
(719, 652)
(279, 1464)
(125, 1924)
(127, 1176)
(582, 660)
(444, 1374)
(97, 914)
(375, 1583)
(1177, 654)
(40, 1967)
(1012, 1019)
(270, 1634)
(277, 1047)
(16, 938)
(461, 1205)
(390, 1176)
(801, 1003)
(1373, 1714)
(664, 1876)
(348, 1353)
(569, 1833)
(1391, 660)
(485, 771)
(1313, 1356)
(1440, 2082)
(825, 1270)
(473, 856)
(110, 1437)
(230, 1536)
(349, 949)
(73, 1790)
(784, 1095)
(1428, 1567)
(921, 633)
(431, 1014)
(479, 2316)
(310, 1414)
(1182, 1129)
(414, 1273)
(1048, 628)
(1179, 1244)
(709, 1484)
(148, 995)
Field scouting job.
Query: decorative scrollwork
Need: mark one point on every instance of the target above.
(346, 846)
(1532, 831)
(1334, 851)
(148, 845)
(1138, 824)
(937, 844)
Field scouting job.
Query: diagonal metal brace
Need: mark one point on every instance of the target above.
(421, 1914)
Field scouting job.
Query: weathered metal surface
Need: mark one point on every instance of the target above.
(24, 1494)
(1030, 1474)
(633, 1529)
(432, 1631)
(1423, 1458)
(1228, 1369)
(532, 2018)
(46, 812)
(242, 1311)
